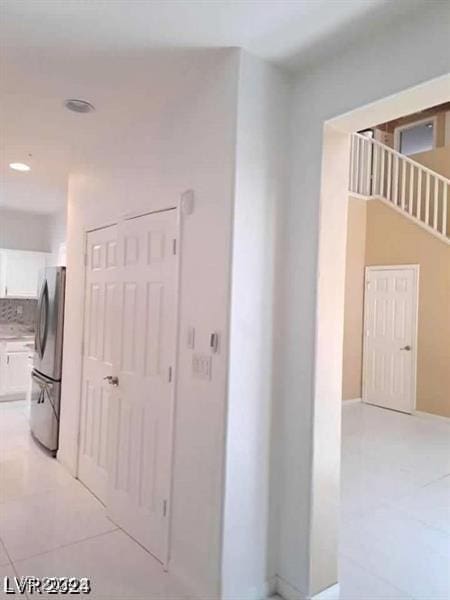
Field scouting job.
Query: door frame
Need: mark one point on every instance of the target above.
(179, 222)
(415, 268)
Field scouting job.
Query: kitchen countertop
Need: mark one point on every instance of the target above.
(15, 333)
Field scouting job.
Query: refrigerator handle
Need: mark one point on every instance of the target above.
(37, 334)
(45, 308)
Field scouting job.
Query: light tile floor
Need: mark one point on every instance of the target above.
(395, 506)
(395, 525)
(51, 525)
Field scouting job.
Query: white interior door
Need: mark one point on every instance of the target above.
(390, 333)
(100, 326)
(140, 418)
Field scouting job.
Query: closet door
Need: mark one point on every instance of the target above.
(142, 384)
(100, 339)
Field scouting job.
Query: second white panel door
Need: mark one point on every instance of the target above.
(100, 322)
(141, 408)
(390, 328)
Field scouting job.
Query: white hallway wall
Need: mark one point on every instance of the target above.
(58, 235)
(250, 537)
(382, 62)
(230, 152)
(195, 150)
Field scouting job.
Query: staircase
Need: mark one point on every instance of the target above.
(377, 171)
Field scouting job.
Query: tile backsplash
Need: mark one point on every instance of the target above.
(21, 312)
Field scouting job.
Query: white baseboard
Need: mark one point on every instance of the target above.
(271, 587)
(351, 401)
(289, 592)
(187, 587)
(433, 417)
(275, 586)
(265, 590)
(331, 593)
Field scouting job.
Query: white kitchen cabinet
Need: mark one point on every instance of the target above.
(14, 368)
(19, 273)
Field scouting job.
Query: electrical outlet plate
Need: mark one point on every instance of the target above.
(201, 366)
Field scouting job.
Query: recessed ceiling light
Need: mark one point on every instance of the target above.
(19, 167)
(79, 106)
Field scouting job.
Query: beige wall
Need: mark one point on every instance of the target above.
(438, 160)
(393, 239)
(354, 297)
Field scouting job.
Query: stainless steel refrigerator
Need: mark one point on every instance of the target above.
(47, 363)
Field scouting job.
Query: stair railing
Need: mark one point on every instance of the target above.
(378, 171)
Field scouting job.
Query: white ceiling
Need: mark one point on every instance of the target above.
(272, 29)
(130, 108)
(100, 49)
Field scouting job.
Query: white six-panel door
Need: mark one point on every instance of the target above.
(140, 419)
(130, 334)
(390, 332)
(99, 341)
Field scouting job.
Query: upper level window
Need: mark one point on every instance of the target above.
(416, 137)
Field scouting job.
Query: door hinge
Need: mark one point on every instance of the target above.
(174, 246)
(170, 374)
(165, 508)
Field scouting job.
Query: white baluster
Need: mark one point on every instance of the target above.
(357, 153)
(396, 180)
(427, 199)
(375, 177)
(402, 200)
(362, 174)
(411, 188)
(381, 191)
(436, 203)
(389, 177)
(366, 167)
(419, 195)
(351, 163)
(444, 208)
(369, 168)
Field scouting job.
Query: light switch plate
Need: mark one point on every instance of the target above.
(191, 337)
(201, 366)
(187, 202)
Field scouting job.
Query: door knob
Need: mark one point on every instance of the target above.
(407, 348)
(112, 380)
